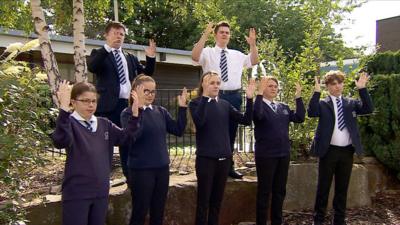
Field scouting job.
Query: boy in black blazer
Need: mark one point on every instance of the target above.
(336, 139)
(115, 70)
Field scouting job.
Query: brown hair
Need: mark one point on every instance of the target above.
(116, 25)
(221, 24)
(80, 88)
(272, 78)
(140, 79)
(334, 75)
(200, 87)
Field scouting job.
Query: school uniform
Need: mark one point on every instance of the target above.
(336, 139)
(148, 161)
(272, 154)
(214, 156)
(89, 147)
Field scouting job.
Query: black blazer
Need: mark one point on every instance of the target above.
(104, 66)
(325, 111)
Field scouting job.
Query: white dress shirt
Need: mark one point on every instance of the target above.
(92, 120)
(339, 137)
(125, 89)
(211, 57)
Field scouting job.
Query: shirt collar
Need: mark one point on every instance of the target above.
(334, 97)
(109, 49)
(76, 115)
(268, 101)
(220, 49)
(209, 99)
(148, 106)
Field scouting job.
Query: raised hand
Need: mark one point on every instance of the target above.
(151, 50)
(262, 85)
(64, 95)
(317, 85)
(209, 29)
(251, 88)
(298, 90)
(182, 98)
(251, 39)
(362, 81)
(206, 86)
(140, 94)
(135, 103)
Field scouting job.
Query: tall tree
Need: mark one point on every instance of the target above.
(79, 41)
(49, 60)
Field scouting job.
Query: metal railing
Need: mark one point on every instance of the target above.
(182, 149)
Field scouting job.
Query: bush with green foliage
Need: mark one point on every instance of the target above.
(381, 132)
(24, 122)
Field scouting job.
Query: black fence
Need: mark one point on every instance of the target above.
(182, 149)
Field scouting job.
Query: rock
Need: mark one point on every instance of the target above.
(239, 199)
(55, 189)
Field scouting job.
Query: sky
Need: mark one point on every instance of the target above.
(359, 27)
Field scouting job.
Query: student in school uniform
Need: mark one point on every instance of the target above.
(211, 116)
(148, 159)
(89, 143)
(272, 148)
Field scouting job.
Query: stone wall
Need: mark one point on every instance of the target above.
(239, 200)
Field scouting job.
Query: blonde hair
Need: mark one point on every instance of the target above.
(200, 87)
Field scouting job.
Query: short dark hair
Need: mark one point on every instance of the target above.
(334, 75)
(200, 87)
(140, 79)
(80, 88)
(116, 25)
(221, 24)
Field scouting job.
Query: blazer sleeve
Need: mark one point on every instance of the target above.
(62, 136)
(364, 106)
(245, 118)
(148, 69)
(96, 60)
(313, 107)
(299, 115)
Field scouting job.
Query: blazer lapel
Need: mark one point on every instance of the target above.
(329, 102)
(130, 65)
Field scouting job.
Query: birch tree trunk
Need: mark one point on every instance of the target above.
(79, 41)
(48, 57)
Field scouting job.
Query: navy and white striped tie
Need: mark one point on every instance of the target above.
(88, 125)
(273, 106)
(224, 66)
(120, 67)
(340, 116)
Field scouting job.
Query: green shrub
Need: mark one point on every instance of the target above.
(384, 63)
(381, 132)
(24, 122)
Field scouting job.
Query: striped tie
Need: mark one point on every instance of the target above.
(224, 67)
(88, 125)
(273, 106)
(340, 117)
(120, 67)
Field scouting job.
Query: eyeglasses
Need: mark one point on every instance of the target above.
(87, 101)
(149, 92)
